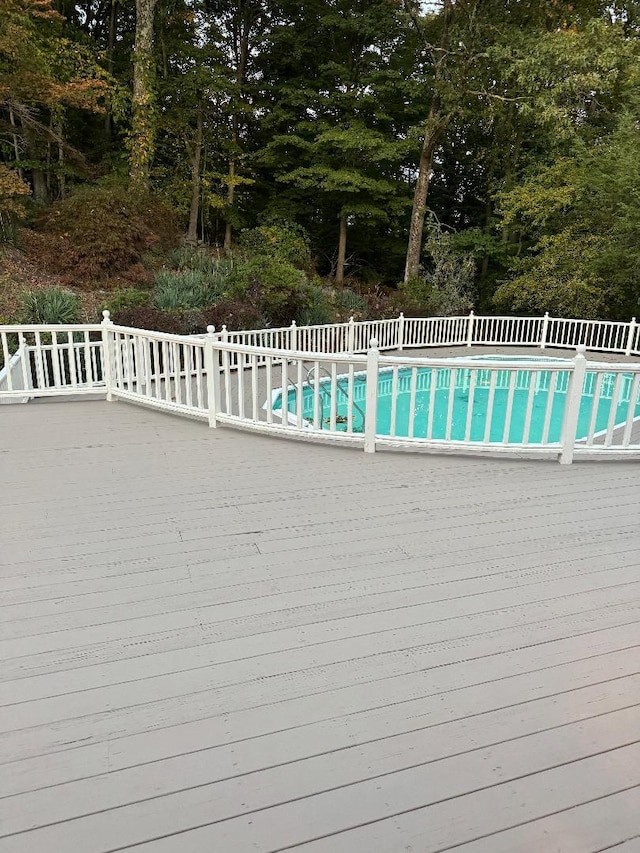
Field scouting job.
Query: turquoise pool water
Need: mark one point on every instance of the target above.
(548, 398)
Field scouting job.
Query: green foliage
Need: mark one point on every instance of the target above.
(284, 240)
(582, 216)
(200, 280)
(349, 303)
(197, 268)
(186, 289)
(125, 298)
(444, 286)
(274, 286)
(291, 123)
(190, 258)
(559, 281)
(50, 306)
(39, 66)
(317, 308)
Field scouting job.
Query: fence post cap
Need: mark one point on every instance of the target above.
(373, 343)
(633, 320)
(293, 322)
(401, 315)
(351, 319)
(106, 316)
(471, 313)
(581, 350)
(546, 313)
(211, 330)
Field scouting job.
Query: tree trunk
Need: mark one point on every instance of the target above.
(62, 183)
(228, 231)
(240, 46)
(434, 127)
(14, 135)
(47, 170)
(39, 185)
(488, 215)
(203, 225)
(342, 249)
(143, 120)
(192, 233)
(111, 44)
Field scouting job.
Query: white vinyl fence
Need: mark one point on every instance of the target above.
(50, 361)
(335, 383)
(162, 370)
(470, 330)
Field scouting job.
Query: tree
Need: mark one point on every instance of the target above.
(43, 74)
(334, 144)
(351, 170)
(524, 75)
(242, 26)
(582, 218)
(448, 53)
(143, 113)
(192, 86)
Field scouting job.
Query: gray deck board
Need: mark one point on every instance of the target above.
(217, 641)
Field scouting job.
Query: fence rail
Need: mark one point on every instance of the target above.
(338, 382)
(50, 361)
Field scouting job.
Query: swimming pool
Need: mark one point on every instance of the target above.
(449, 403)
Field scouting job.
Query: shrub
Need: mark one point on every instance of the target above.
(125, 298)
(186, 289)
(219, 277)
(349, 303)
(234, 314)
(13, 192)
(423, 296)
(273, 286)
(9, 231)
(189, 258)
(285, 241)
(316, 309)
(50, 306)
(136, 276)
(382, 302)
(102, 230)
(443, 289)
(152, 319)
(183, 290)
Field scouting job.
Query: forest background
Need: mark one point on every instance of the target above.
(185, 162)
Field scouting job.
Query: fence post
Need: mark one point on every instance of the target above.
(106, 354)
(211, 367)
(470, 329)
(545, 328)
(631, 336)
(293, 336)
(400, 345)
(371, 408)
(572, 406)
(351, 336)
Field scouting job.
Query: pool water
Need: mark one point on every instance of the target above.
(548, 403)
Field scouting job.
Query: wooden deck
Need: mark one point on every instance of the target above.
(217, 642)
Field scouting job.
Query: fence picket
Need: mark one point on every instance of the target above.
(168, 371)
